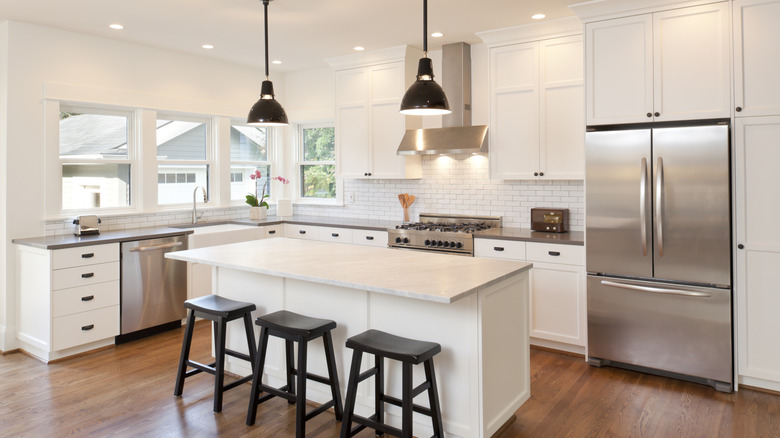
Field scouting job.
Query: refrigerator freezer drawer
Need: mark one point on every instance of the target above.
(679, 329)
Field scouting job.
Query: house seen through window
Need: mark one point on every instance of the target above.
(182, 158)
(248, 153)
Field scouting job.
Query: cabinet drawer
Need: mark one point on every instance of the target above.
(369, 238)
(84, 255)
(555, 253)
(85, 327)
(84, 275)
(499, 249)
(301, 231)
(337, 235)
(85, 298)
(273, 231)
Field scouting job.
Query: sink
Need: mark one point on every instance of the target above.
(219, 228)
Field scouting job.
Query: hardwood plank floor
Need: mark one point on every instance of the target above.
(127, 390)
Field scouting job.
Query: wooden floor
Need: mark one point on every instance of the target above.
(128, 391)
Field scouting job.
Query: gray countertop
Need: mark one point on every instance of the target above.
(69, 240)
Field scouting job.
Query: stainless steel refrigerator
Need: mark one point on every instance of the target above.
(658, 245)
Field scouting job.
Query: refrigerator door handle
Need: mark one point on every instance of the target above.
(655, 290)
(643, 204)
(659, 200)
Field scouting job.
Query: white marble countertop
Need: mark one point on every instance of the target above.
(415, 274)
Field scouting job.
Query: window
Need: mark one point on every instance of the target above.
(248, 153)
(317, 167)
(183, 153)
(95, 157)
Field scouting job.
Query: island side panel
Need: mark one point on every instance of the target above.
(505, 353)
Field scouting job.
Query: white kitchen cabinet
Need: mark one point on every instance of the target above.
(369, 127)
(537, 125)
(558, 317)
(669, 65)
(369, 238)
(756, 39)
(296, 231)
(68, 299)
(758, 250)
(334, 234)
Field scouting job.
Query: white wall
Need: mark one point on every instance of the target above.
(45, 63)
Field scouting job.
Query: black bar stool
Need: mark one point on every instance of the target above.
(410, 352)
(220, 311)
(293, 327)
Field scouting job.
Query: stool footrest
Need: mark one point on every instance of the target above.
(318, 410)
(277, 392)
(366, 374)
(200, 368)
(316, 378)
(379, 427)
(238, 355)
(416, 408)
(232, 385)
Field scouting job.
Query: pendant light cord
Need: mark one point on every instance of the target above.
(425, 28)
(265, 15)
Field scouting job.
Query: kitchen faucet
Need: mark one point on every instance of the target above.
(195, 216)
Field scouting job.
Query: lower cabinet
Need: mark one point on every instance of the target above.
(68, 299)
(558, 305)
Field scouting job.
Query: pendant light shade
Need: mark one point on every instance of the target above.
(425, 97)
(267, 111)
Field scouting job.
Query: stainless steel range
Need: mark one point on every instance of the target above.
(452, 234)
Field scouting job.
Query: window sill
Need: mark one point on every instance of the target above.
(321, 202)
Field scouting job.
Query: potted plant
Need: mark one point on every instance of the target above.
(256, 204)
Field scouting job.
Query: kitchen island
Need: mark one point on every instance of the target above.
(477, 309)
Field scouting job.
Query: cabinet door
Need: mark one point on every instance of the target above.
(562, 140)
(558, 307)
(619, 70)
(691, 63)
(387, 124)
(758, 206)
(514, 125)
(756, 39)
(352, 118)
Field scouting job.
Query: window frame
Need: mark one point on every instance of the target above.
(270, 134)
(208, 161)
(300, 162)
(132, 159)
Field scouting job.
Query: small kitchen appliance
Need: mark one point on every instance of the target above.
(550, 220)
(451, 234)
(86, 225)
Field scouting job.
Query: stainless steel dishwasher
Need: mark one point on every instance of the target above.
(153, 288)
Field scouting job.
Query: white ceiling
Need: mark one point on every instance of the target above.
(302, 32)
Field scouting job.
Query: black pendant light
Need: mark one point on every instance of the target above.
(425, 97)
(267, 111)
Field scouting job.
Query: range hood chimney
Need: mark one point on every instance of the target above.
(457, 136)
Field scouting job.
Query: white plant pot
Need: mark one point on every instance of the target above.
(257, 213)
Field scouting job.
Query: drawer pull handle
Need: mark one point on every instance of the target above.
(301, 231)
(89, 298)
(89, 275)
(88, 255)
(369, 237)
(554, 253)
(498, 248)
(272, 232)
(88, 327)
(334, 234)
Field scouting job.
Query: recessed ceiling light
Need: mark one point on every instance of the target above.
(116, 26)
(276, 61)
(207, 46)
(359, 48)
(437, 34)
(538, 16)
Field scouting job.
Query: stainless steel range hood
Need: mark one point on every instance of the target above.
(457, 136)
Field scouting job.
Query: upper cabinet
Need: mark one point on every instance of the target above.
(536, 119)
(756, 41)
(664, 66)
(369, 127)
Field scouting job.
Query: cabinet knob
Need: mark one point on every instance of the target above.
(498, 248)
(741, 246)
(554, 253)
(334, 234)
(88, 255)
(369, 237)
(541, 173)
(88, 275)
(536, 173)
(88, 327)
(657, 114)
(369, 173)
(88, 298)
(649, 114)
(739, 109)
(271, 231)
(301, 231)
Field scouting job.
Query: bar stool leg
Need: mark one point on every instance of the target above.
(333, 374)
(250, 339)
(290, 361)
(185, 354)
(379, 390)
(406, 401)
(257, 377)
(300, 398)
(433, 399)
(349, 406)
(219, 351)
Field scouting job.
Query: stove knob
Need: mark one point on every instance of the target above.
(427, 242)
(439, 243)
(397, 240)
(446, 244)
(406, 240)
(459, 245)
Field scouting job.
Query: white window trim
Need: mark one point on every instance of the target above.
(338, 201)
(209, 161)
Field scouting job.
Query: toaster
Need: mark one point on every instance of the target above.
(86, 225)
(550, 220)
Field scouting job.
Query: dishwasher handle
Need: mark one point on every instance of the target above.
(155, 247)
(655, 290)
